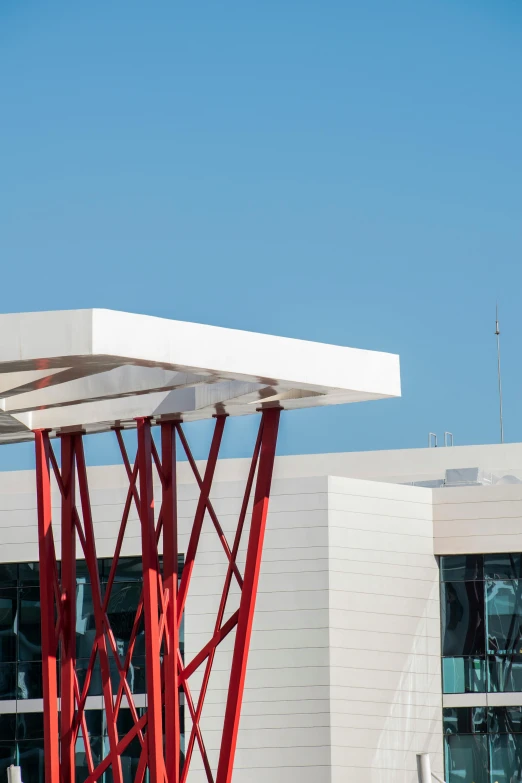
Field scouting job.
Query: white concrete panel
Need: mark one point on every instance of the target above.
(105, 367)
(409, 624)
(346, 633)
(390, 643)
(386, 698)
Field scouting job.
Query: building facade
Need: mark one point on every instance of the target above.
(388, 620)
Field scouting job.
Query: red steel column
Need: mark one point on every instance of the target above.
(49, 641)
(150, 603)
(248, 596)
(68, 582)
(170, 583)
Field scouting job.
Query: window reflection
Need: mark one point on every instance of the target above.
(506, 758)
(7, 680)
(464, 675)
(8, 620)
(467, 758)
(505, 674)
(21, 732)
(29, 641)
(463, 618)
(505, 720)
(32, 761)
(29, 681)
(504, 616)
(460, 568)
(503, 566)
(121, 612)
(7, 757)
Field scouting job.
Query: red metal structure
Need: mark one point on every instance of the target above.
(160, 608)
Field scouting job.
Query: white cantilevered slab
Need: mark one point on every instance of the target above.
(97, 368)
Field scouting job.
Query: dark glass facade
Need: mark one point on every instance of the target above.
(481, 611)
(483, 745)
(481, 606)
(21, 730)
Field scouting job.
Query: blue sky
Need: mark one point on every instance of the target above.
(342, 171)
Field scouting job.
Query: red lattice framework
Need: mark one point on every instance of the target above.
(161, 604)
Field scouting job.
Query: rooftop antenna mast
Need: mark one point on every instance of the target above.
(497, 332)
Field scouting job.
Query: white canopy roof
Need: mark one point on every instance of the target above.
(97, 368)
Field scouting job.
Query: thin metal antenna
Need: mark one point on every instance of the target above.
(497, 332)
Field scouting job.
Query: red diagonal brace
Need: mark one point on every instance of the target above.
(49, 641)
(200, 514)
(169, 510)
(248, 596)
(150, 604)
(99, 614)
(161, 604)
(68, 662)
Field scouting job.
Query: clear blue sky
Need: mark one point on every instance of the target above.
(342, 171)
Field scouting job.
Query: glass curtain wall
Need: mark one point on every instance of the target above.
(481, 612)
(481, 607)
(483, 745)
(21, 729)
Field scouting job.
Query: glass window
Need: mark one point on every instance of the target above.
(504, 616)
(505, 720)
(85, 622)
(466, 758)
(30, 680)
(465, 720)
(32, 760)
(7, 726)
(29, 630)
(135, 675)
(96, 743)
(461, 568)
(121, 611)
(463, 631)
(7, 681)
(464, 675)
(505, 758)
(131, 755)
(29, 726)
(503, 566)
(94, 719)
(8, 574)
(128, 569)
(95, 685)
(82, 571)
(505, 674)
(7, 757)
(21, 732)
(8, 621)
(29, 573)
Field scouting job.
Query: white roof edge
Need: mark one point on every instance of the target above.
(252, 355)
(93, 367)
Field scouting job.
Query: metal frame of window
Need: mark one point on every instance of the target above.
(161, 605)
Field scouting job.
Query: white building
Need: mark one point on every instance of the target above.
(389, 613)
(344, 674)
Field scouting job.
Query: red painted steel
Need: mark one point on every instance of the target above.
(150, 603)
(47, 604)
(169, 509)
(248, 596)
(99, 618)
(68, 656)
(160, 608)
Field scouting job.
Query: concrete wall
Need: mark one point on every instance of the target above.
(384, 632)
(344, 674)
(478, 520)
(285, 726)
(284, 732)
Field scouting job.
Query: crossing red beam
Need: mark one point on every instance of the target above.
(160, 607)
